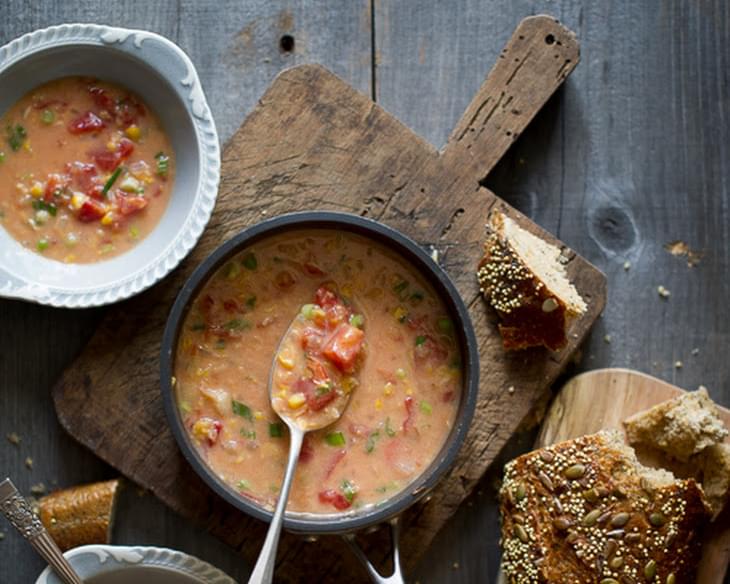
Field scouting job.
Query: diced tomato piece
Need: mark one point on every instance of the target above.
(307, 452)
(91, 210)
(311, 339)
(334, 498)
(96, 192)
(448, 396)
(107, 160)
(324, 297)
(82, 175)
(313, 269)
(102, 99)
(88, 122)
(129, 205)
(430, 350)
(317, 370)
(333, 462)
(128, 110)
(54, 185)
(408, 422)
(230, 305)
(343, 347)
(315, 401)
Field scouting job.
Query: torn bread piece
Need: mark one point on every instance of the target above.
(80, 515)
(714, 466)
(586, 510)
(680, 427)
(524, 279)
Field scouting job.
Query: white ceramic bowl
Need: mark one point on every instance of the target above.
(163, 75)
(107, 564)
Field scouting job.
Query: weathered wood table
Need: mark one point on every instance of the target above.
(632, 154)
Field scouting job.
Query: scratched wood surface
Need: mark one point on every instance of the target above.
(630, 155)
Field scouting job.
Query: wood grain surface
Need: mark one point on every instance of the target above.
(603, 399)
(315, 143)
(630, 155)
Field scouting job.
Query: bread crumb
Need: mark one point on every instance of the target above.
(511, 389)
(29, 462)
(435, 254)
(695, 351)
(627, 265)
(607, 339)
(2, 535)
(680, 248)
(39, 489)
(13, 438)
(678, 364)
(455, 565)
(663, 292)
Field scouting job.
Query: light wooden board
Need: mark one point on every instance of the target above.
(315, 143)
(602, 399)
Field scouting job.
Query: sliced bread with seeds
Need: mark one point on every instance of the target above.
(524, 279)
(586, 510)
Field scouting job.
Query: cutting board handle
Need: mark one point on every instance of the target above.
(538, 57)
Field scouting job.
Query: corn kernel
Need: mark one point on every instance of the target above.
(400, 373)
(378, 404)
(347, 290)
(69, 258)
(258, 415)
(285, 363)
(108, 218)
(26, 146)
(296, 401)
(409, 390)
(400, 313)
(111, 146)
(77, 200)
(388, 389)
(133, 132)
(36, 190)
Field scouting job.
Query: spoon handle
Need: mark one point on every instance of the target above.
(263, 572)
(18, 511)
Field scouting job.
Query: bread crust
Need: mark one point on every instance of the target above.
(581, 511)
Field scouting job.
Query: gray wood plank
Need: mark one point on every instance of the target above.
(630, 155)
(236, 49)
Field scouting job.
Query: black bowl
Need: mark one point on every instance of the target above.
(430, 270)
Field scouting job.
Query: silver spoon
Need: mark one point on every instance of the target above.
(263, 572)
(18, 511)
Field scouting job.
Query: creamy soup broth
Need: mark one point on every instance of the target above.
(404, 399)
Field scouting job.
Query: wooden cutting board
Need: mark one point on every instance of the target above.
(602, 399)
(313, 142)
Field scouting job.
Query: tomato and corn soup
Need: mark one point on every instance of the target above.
(367, 326)
(86, 170)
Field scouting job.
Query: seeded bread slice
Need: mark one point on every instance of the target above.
(586, 510)
(680, 427)
(523, 278)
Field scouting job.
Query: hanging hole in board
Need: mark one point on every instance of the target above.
(549, 39)
(286, 43)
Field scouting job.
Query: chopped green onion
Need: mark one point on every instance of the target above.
(445, 326)
(417, 297)
(251, 302)
(349, 490)
(237, 324)
(197, 326)
(388, 429)
(274, 488)
(2, 156)
(48, 117)
(335, 439)
(43, 206)
(134, 232)
(357, 320)
(323, 388)
(163, 164)
(455, 364)
(308, 311)
(106, 248)
(241, 409)
(16, 136)
(243, 485)
(425, 407)
(232, 270)
(42, 244)
(400, 287)
(420, 340)
(111, 181)
(372, 439)
(276, 430)
(250, 434)
(381, 489)
(249, 261)
(185, 407)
